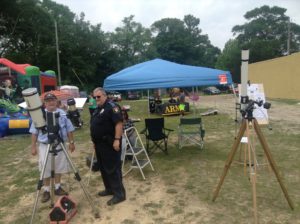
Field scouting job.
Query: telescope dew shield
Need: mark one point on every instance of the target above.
(34, 107)
(244, 78)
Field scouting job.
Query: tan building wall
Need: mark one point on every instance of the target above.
(280, 76)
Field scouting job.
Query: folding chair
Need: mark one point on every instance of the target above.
(191, 131)
(156, 133)
(137, 151)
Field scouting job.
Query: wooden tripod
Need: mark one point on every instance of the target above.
(245, 127)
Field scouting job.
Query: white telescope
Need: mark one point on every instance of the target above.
(244, 77)
(34, 107)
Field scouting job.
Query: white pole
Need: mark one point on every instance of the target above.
(244, 77)
(289, 37)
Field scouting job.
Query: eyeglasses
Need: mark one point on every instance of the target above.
(96, 97)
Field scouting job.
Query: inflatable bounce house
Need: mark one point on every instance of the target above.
(13, 120)
(25, 76)
(13, 79)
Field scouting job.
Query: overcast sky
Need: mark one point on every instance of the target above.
(217, 17)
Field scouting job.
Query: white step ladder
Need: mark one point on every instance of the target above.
(134, 147)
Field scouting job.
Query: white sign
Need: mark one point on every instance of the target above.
(80, 102)
(256, 93)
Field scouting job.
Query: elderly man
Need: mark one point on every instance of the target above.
(61, 163)
(106, 134)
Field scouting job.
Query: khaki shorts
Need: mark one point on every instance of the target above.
(61, 163)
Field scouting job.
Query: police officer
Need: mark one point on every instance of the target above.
(106, 134)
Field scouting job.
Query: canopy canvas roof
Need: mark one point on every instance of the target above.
(159, 73)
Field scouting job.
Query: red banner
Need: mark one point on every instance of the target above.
(223, 79)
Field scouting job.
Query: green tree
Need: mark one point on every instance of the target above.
(230, 59)
(131, 43)
(182, 42)
(83, 53)
(169, 38)
(28, 36)
(266, 33)
(200, 51)
(24, 29)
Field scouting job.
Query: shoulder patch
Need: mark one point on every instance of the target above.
(116, 109)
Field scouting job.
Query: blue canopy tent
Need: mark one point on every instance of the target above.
(159, 73)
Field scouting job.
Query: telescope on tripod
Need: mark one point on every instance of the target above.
(248, 122)
(48, 123)
(73, 113)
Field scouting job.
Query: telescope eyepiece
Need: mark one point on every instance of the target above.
(267, 105)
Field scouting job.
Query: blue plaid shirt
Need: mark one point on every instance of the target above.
(65, 126)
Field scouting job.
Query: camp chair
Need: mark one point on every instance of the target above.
(136, 151)
(157, 134)
(190, 131)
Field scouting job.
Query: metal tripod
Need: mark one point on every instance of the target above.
(51, 148)
(245, 127)
(91, 168)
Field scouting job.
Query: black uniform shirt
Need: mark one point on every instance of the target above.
(104, 120)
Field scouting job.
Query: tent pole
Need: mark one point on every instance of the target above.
(194, 102)
(197, 91)
(148, 104)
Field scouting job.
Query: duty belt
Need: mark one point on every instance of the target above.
(103, 139)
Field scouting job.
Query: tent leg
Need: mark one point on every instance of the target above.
(148, 104)
(194, 102)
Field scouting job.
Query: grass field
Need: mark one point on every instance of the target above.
(181, 188)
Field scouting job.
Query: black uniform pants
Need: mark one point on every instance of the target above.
(109, 162)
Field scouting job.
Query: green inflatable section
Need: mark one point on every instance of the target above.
(9, 106)
(32, 71)
(24, 81)
(50, 72)
(34, 74)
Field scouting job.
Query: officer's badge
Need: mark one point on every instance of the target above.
(116, 109)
